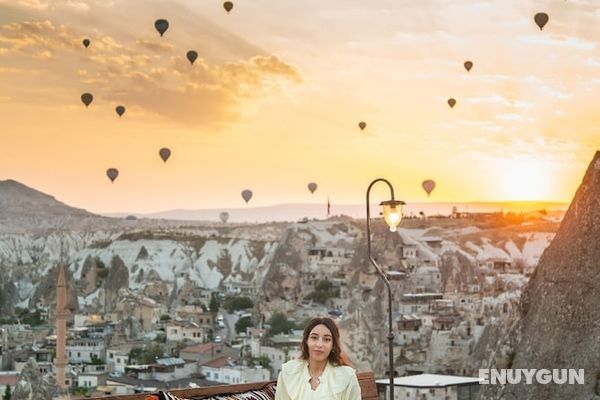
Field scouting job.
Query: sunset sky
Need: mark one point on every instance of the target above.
(275, 97)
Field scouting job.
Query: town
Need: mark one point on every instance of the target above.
(185, 307)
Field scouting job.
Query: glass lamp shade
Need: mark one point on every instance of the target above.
(392, 213)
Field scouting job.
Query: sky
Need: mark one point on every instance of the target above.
(274, 100)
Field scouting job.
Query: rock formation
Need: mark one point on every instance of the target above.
(559, 323)
(33, 385)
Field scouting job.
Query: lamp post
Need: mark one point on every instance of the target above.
(392, 214)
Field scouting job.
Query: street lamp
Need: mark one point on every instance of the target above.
(392, 214)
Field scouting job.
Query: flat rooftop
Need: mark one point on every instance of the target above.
(430, 381)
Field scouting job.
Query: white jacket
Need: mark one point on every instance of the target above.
(337, 383)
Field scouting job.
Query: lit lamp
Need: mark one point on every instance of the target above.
(392, 214)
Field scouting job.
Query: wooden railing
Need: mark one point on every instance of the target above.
(366, 380)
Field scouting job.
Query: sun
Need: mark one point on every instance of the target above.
(523, 179)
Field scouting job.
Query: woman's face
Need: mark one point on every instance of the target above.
(320, 343)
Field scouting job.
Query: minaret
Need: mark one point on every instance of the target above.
(60, 362)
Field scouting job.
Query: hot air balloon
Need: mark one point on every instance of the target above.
(312, 187)
(161, 26)
(224, 216)
(87, 98)
(451, 102)
(428, 185)
(86, 43)
(468, 65)
(246, 195)
(112, 174)
(362, 125)
(191, 56)
(228, 5)
(120, 110)
(164, 153)
(541, 19)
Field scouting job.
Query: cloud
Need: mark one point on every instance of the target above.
(148, 74)
(245, 78)
(39, 35)
(39, 5)
(560, 41)
(78, 6)
(112, 65)
(198, 94)
(13, 70)
(43, 55)
(205, 94)
(593, 62)
(157, 47)
(28, 4)
(483, 125)
(510, 117)
(534, 148)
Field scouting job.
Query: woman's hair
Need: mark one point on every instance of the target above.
(336, 357)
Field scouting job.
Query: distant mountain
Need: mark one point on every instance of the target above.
(16, 198)
(23, 209)
(26, 210)
(297, 211)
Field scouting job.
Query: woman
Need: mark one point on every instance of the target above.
(322, 371)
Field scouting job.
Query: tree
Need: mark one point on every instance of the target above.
(214, 304)
(29, 317)
(80, 391)
(264, 362)
(235, 303)
(7, 393)
(323, 286)
(242, 324)
(95, 360)
(324, 291)
(280, 324)
(147, 355)
(134, 354)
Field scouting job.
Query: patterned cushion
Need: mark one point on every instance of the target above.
(268, 393)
